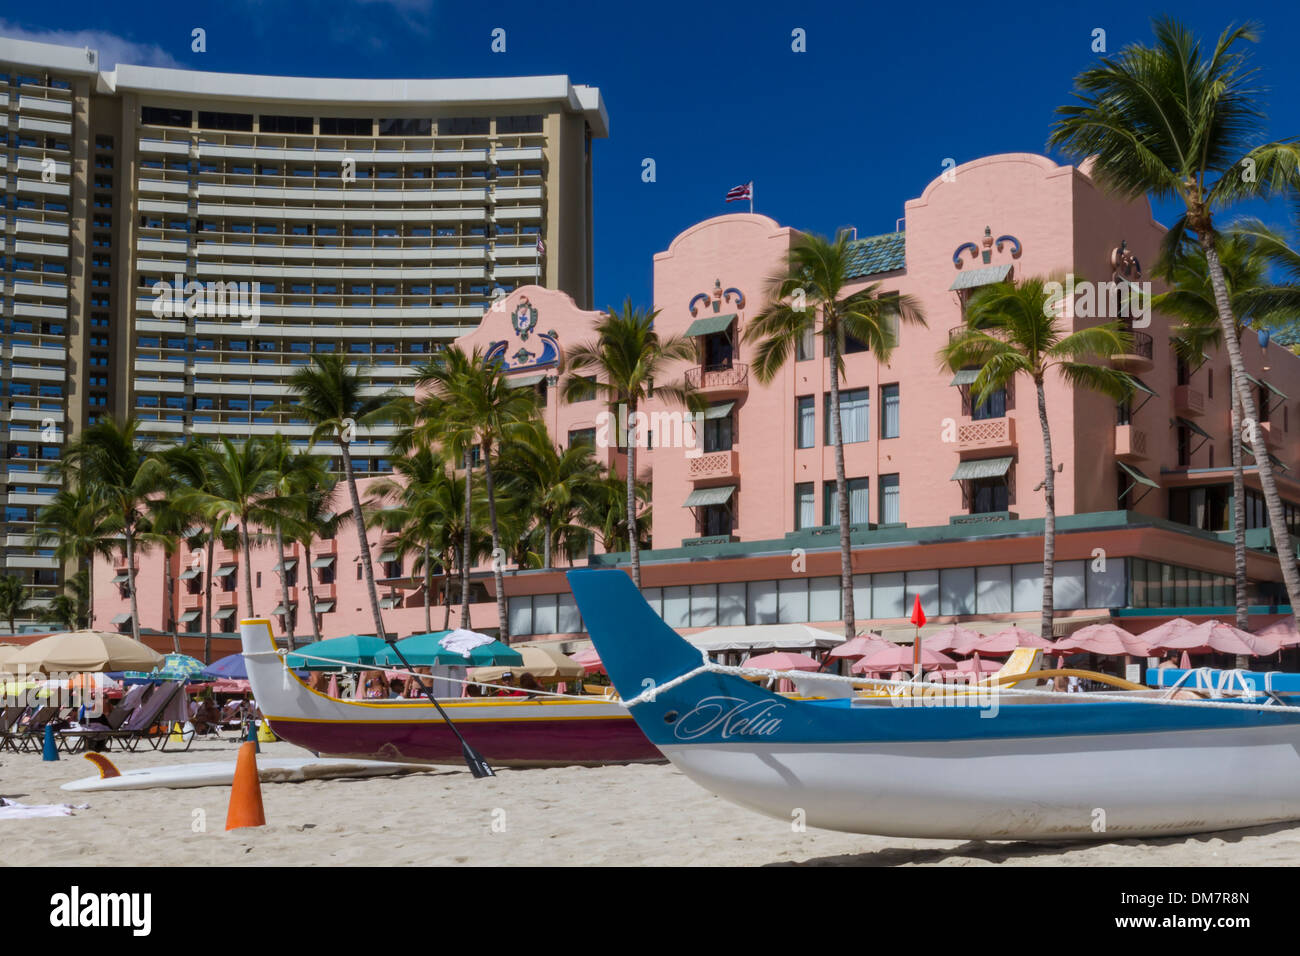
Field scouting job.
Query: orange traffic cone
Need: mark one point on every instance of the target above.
(246, 794)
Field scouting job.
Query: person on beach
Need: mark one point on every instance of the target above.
(528, 684)
(508, 688)
(374, 685)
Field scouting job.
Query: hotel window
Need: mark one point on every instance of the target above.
(989, 495)
(889, 411)
(855, 416)
(805, 422)
(717, 429)
(805, 349)
(1209, 382)
(585, 393)
(1262, 401)
(805, 512)
(1184, 447)
(714, 520)
(582, 436)
(859, 510)
(995, 406)
(891, 510)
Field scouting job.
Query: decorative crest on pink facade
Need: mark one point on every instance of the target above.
(718, 296)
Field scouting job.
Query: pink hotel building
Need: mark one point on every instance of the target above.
(944, 495)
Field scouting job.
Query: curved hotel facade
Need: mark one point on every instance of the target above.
(374, 218)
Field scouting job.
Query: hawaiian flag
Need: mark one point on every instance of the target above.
(739, 193)
(541, 249)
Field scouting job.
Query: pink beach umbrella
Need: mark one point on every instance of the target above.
(1106, 639)
(861, 646)
(1171, 628)
(950, 637)
(899, 658)
(589, 658)
(1025, 638)
(1221, 638)
(784, 661)
(1283, 631)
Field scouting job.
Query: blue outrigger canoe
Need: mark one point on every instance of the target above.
(958, 766)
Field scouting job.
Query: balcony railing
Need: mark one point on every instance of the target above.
(706, 378)
(986, 434)
(1130, 443)
(1140, 353)
(718, 464)
(1188, 400)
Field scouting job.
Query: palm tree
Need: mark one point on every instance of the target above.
(242, 485)
(315, 518)
(478, 407)
(1171, 122)
(71, 609)
(296, 474)
(127, 479)
(13, 599)
(1008, 333)
(415, 518)
(604, 510)
(1190, 298)
(330, 395)
(631, 362)
(74, 523)
(550, 486)
(812, 286)
(190, 470)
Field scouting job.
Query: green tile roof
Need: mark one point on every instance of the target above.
(877, 254)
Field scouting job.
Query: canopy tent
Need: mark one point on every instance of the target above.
(750, 636)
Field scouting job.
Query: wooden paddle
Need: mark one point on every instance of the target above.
(478, 766)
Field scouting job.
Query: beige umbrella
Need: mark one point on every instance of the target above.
(7, 651)
(543, 662)
(86, 651)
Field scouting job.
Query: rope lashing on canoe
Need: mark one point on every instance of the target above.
(979, 690)
(711, 667)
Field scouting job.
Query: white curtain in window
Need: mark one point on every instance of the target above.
(890, 502)
(855, 416)
(805, 513)
(890, 396)
(807, 423)
(859, 501)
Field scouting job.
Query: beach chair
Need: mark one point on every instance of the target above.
(143, 725)
(9, 718)
(30, 734)
(99, 731)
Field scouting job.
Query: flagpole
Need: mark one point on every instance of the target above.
(751, 197)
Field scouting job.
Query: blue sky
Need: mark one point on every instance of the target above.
(842, 134)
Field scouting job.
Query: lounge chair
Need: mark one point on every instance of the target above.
(144, 726)
(9, 718)
(100, 730)
(30, 734)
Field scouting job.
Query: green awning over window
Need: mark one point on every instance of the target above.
(714, 323)
(389, 602)
(965, 376)
(189, 573)
(524, 381)
(223, 613)
(279, 608)
(323, 607)
(325, 562)
(388, 556)
(287, 565)
(122, 618)
(1192, 427)
(1142, 386)
(120, 578)
(701, 497)
(978, 277)
(982, 468)
(189, 616)
(226, 570)
(1276, 391)
(1136, 474)
(719, 411)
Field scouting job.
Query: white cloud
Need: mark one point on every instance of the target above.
(112, 48)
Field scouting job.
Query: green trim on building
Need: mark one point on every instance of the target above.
(710, 325)
(1136, 474)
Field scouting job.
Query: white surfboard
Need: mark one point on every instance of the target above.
(222, 774)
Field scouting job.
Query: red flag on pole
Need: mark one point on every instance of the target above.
(918, 615)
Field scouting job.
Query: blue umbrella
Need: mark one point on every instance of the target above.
(230, 667)
(425, 650)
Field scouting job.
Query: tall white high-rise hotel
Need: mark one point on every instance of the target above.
(377, 218)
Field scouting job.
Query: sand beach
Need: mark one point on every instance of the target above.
(623, 815)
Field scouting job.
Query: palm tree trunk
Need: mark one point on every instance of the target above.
(546, 546)
(169, 600)
(1239, 518)
(498, 558)
(1277, 520)
(311, 590)
(1049, 518)
(428, 592)
(446, 595)
(632, 548)
(90, 593)
(248, 565)
(130, 570)
(284, 590)
(207, 597)
(367, 567)
(841, 494)
(465, 555)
